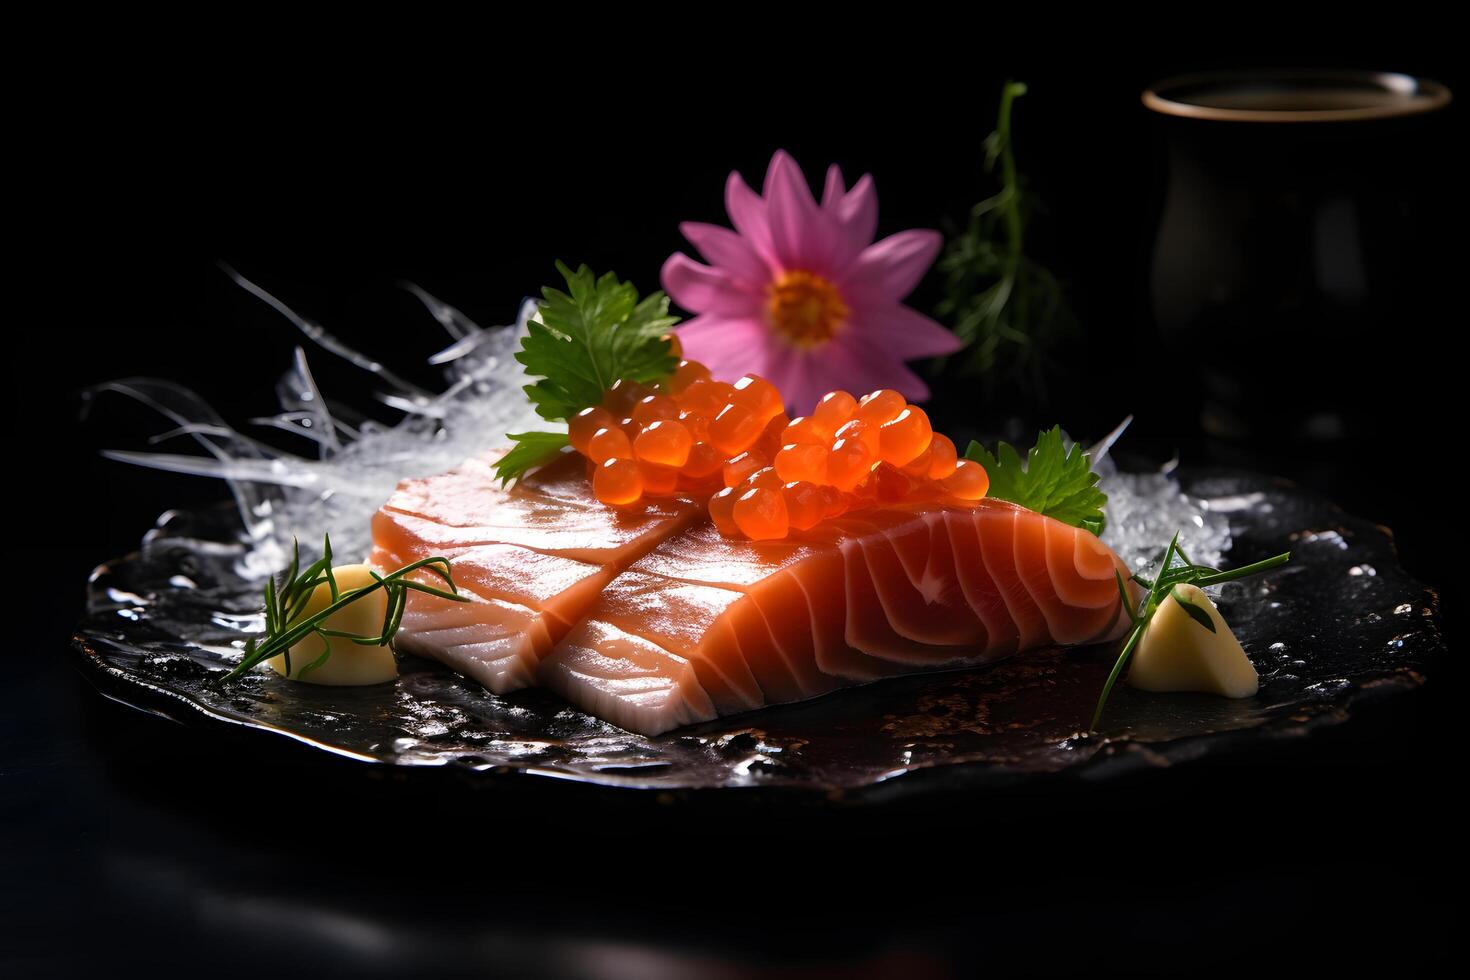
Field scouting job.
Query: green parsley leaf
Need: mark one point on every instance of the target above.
(531, 450)
(587, 338)
(1051, 481)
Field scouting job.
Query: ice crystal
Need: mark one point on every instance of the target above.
(354, 468)
(1144, 511)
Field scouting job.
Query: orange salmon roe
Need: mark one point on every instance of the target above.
(800, 461)
(618, 482)
(654, 408)
(806, 431)
(698, 425)
(835, 408)
(664, 443)
(968, 482)
(761, 514)
(735, 428)
(737, 468)
(722, 512)
(586, 422)
(706, 397)
(834, 502)
(608, 443)
(758, 396)
(806, 504)
(691, 434)
(622, 396)
(765, 478)
(685, 375)
(860, 430)
(919, 466)
(770, 438)
(942, 458)
(697, 486)
(848, 463)
(904, 436)
(704, 461)
(658, 481)
(890, 484)
(879, 406)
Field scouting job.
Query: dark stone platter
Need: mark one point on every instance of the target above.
(1340, 626)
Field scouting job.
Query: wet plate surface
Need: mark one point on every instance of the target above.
(1341, 625)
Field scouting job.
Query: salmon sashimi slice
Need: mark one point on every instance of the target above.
(651, 619)
(702, 555)
(534, 558)
(496, 643)
(898, 613)
(687, 619)
(978, 586)
(616, 675)
(720, 642)
(552, 510)
(995, 530)
(522, 603)
(916, 587)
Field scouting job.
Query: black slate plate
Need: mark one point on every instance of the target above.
(1340, 626)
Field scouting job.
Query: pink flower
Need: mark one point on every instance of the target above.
(800, 294)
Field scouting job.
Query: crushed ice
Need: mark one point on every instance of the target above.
(353, 468)
(281, 495)
(1145, 509)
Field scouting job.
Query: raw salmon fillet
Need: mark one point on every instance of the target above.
(705, 626)
(533, 559)
(652, 620)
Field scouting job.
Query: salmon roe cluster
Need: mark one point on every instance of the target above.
(768, 474)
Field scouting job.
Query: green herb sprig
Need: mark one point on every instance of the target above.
(1176, 569)
(284, 602)
(1008, 309)
(1051, 480)
(581, 342)
(531, 450)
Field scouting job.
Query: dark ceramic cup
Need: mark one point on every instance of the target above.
(1293, 225)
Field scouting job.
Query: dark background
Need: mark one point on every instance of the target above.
(329, 175)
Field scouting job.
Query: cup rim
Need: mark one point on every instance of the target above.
(1420, 95)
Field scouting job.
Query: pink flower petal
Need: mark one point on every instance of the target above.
(748, 214)
(781, 167)
(904, 333)
(834, 190)
(728, 251)
(856, 215)
(798, 375)
(729, 347)
(702, 289)
(786, 229)
(889, 270)
(910, 385)
(806, 376)
(858, 366)
(799, 230)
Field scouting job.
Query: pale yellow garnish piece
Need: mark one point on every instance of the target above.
(1176, 653)
(350, 663)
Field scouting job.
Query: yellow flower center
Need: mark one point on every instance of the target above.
(806, 310)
